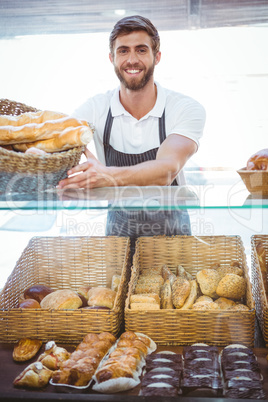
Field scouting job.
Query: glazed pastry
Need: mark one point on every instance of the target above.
(25, 349)
(33, 376)
(53, 356)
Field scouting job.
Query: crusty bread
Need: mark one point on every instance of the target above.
(204, 298)
(29, 303)
(37, 292)
(144, 306)
(229, 269)
(205, 305)
(224, 303)
(232, 286)
(147, 287)
(61, 299)
(145, 298)
(180, 291)
(208, 280)
(151, 278)
(70, 137)
(30, 117)
(168, 274)
(166, 295)
(99, 296)
(192, 296)
(240, 307)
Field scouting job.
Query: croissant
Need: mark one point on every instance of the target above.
(33, 376)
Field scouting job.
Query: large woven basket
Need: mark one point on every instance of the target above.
(65, 263)
(258, 285)
(182, 327)
(256, 181)
(20, 172)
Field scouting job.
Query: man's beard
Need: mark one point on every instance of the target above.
(134, 84)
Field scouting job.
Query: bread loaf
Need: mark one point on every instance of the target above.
(168, 274)
(180, 291)
(37, 292)
(224, 303)
(29, 303)
(61, 299)
(232, 286)
(208, 280)
(99, 296)
(145, 306)
(205, 305)
(166, 295)
(70, 137)
(30, 118)
(145, 298)
(192, 296)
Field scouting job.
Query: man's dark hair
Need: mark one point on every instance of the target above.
(135, 23)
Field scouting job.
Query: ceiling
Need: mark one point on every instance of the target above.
(32, 17)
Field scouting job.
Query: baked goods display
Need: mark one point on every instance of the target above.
(122, 369)
(86, 296)
(44, 130)
(219, 287)
(162, 374)
(78, 370)
(241, 373)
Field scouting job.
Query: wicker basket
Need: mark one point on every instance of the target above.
(256, 181)
(258, 285)
(20, 172)
(65, 262)
(182, 327)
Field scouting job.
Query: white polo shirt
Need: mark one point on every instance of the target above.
(183, 115)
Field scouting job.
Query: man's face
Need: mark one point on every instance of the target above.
(133, 60)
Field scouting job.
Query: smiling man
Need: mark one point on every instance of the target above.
(144, 133)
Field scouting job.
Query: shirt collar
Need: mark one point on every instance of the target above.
(117, 108)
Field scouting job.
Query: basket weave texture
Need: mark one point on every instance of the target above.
(65, 263)
(182, 327)
(20, 172)
(256, 181)
(258, 285)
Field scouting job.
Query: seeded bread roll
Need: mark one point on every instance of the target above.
(231, 269)
(232, 286)
(168, 274)
(180, 291)
(61, 299)
(240, 307)
(205, 305)
(166, 295)
(208, 280)
(192, 296)
(147, 287)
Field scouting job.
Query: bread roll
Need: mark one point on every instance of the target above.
(230, 269)
(192, 296)
(224, 303)
(204, 298)
(166, 295)
(240, 307)
(151, 278)
(37, 292)
(147, 287)
(180, 291)
(232, 286)
(61, 299)
(182, 272)
(167, 274)
(29, 303)
(99, 296)
(83, 291)
(205, 305)
(208, 280)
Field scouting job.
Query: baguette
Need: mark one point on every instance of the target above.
(70, 137)
(30, 117)
(32, 132)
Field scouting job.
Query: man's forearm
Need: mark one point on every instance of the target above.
(155, 172)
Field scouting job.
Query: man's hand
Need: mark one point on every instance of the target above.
(89, 174)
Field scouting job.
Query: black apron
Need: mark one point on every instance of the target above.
(139, 223)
